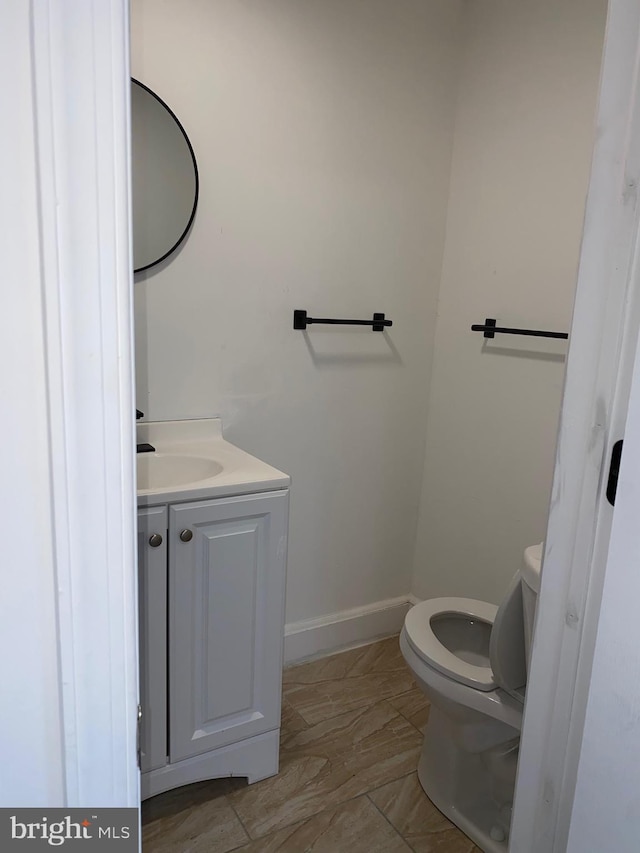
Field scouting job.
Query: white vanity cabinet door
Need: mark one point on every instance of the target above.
(226, 619)
(152, 615)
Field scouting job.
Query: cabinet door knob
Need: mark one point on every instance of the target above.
(155, 540)
(186, 535)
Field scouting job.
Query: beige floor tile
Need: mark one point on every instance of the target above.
(414, 706)
(290, 724)
(353, 735)
(347, 681)
(324, 669)
(179, 799)
(409, 810)
(327, 764)
(383, 656)
(322, 700)
(353, 827)
(206, 827)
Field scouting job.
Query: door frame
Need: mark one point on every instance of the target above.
(598, 381)
(80, 98)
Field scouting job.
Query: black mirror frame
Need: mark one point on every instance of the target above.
(195, 170)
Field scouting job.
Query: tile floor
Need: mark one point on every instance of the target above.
(350, 741)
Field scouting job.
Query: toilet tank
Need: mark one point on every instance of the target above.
(530, 577)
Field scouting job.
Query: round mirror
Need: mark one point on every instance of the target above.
(164, 178)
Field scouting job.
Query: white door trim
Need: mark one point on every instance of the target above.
(81, 102)
(603, 341)
(605, 813)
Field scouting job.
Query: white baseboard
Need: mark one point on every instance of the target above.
(337, 631)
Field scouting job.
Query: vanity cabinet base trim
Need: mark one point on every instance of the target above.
(255, 757)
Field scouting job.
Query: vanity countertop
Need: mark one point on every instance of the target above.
(192, 461)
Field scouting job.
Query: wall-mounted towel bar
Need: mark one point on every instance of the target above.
(301, 321)
(491, 330)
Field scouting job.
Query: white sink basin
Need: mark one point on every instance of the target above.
(192, 461)
(160, 471)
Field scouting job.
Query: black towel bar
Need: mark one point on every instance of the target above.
(491, 330)
(378, 323)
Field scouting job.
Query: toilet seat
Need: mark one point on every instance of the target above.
(427, 646)
(494, 704)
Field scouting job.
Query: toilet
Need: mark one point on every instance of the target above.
(471, 659)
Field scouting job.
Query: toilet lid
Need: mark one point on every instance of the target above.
(426, 645)
(506, 645)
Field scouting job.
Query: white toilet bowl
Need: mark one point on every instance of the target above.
(471, 660)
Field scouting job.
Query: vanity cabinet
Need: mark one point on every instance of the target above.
(152, 644)
(211, 636)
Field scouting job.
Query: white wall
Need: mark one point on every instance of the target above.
(323, 133)
(523, 141)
